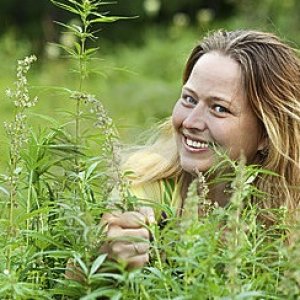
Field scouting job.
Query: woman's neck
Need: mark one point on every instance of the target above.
(217, 193)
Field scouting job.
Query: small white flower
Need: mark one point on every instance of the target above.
(6, 272)
(9, 93)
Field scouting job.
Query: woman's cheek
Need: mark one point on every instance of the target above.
(177, 116)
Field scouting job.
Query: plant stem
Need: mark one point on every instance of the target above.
(160, 266)
(28, 204)
(12, 204)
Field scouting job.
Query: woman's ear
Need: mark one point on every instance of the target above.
(262, 150)
(263, 143)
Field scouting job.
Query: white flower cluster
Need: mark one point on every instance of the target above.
(16, 130)
(103, 121)
(21, 93)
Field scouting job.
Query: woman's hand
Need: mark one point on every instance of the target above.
(128, 238)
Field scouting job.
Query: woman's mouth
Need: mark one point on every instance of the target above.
(194, 145)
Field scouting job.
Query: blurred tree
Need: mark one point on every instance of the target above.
(27, 19)
(33, 19)
(278, 16)
(220, 8)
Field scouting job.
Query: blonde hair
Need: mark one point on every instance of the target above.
(271, 80)
(155, 160)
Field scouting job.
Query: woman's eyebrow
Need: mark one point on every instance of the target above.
(185, 88)
(221, 99)
(210, 97)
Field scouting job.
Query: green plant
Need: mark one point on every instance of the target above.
(56, 189)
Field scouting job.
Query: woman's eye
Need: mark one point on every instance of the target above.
(189, 100)
(220, 109)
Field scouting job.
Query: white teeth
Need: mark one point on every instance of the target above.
(196, 144)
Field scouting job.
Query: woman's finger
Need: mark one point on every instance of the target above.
(137, 261)
(140, 248)
(117, 232)
(109, 217)
(148, 212)
(130, 219)
(125, 249)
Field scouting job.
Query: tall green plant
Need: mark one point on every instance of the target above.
(88, 13)
(17, 133)
(57, 188)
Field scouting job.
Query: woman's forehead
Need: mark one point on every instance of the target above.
(216, 75)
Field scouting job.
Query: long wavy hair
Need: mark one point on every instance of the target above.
(271, 80)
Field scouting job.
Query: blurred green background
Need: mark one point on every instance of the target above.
(140, 61)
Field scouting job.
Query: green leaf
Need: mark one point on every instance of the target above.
(110, 19)
(101, 276)
(76, 3)
(55, 253)
(91, 169)
(97, 263)
(105, 3)
(67, 49)
(5, 191)
(36, 212)
(81, 263)
(44, 117)
(66, 7)
(78, 29)
(73, 28)
(91, 51)
(102, 292)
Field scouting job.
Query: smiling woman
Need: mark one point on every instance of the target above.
(241, 95)
(214, 109)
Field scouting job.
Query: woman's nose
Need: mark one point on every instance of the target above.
(196, 119)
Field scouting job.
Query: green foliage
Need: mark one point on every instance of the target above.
(58, 184)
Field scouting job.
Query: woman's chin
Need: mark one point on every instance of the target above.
(194, 167)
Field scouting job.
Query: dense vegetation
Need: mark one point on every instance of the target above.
(60, 162)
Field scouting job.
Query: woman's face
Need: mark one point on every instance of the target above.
(213, 110)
